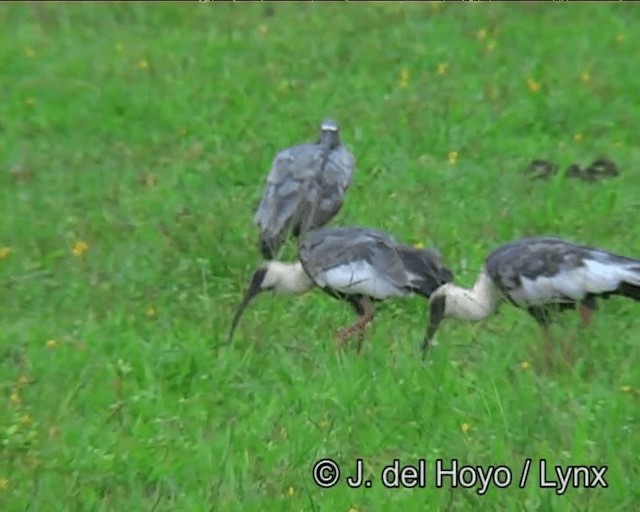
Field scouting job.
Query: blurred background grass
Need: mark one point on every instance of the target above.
(135, 143)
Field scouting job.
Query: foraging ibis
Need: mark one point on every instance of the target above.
(305, 189)
(599, 169)
(538, 274)
(541, 169)
(355, 264)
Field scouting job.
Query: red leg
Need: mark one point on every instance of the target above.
(359, 326)
(585, 314)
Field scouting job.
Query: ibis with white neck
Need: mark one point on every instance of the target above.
(305, 189)
(539, 275)
(355, 264)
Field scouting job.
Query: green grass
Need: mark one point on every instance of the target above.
(146, 131)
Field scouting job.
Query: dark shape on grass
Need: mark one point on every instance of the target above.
(600, 169)
(574, 171)
(305, 189)
(355, 264)
(539, 275)
(541, 169)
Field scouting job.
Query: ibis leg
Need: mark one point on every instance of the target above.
(585, 310)
(548, 346)
(541, 316)
(585, 313)
(363, 307)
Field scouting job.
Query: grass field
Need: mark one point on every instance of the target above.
(135, 143)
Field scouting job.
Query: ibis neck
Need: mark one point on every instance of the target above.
(329, 139)
(473, 304)
(289, 277)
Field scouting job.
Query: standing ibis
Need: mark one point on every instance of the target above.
(304, 190)
(355, 264)
(538, 275)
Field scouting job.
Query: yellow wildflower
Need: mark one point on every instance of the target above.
(353, 509)
(533, 85)
(524, 365)
(625, 389)
(404, 78)
(4, 252)
(4, 484)
(15, 398)
(419, 245)
(465, 427)
(151, 312)
(452, 157)
(482, 34)
(80, 248)
(443, 67)
(263, 30)
(52, 344)
(585, 77)
(577, 137)
(143, 64)
(25, 419)
(291, 491)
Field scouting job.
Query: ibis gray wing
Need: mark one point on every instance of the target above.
(532, 258)
(327, 188)
(541, 270)
(286, 192)
(425, 269)
(348, 252)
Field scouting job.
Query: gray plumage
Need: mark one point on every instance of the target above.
(539, 274)
(354, 264)
(304, 190)
(565, 272)
(361, 261)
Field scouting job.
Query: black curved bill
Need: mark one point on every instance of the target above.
(436, 314)
(252, 291)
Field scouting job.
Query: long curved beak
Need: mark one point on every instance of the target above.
(436, 314)
(252, 291)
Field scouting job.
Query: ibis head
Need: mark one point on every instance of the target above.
(450, 300)
(329, 134)
(437, 307)
(254, 289)
(272, 275)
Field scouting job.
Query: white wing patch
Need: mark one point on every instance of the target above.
(594, 277)
(359, 277)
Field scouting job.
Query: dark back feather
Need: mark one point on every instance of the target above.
(426, 269)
